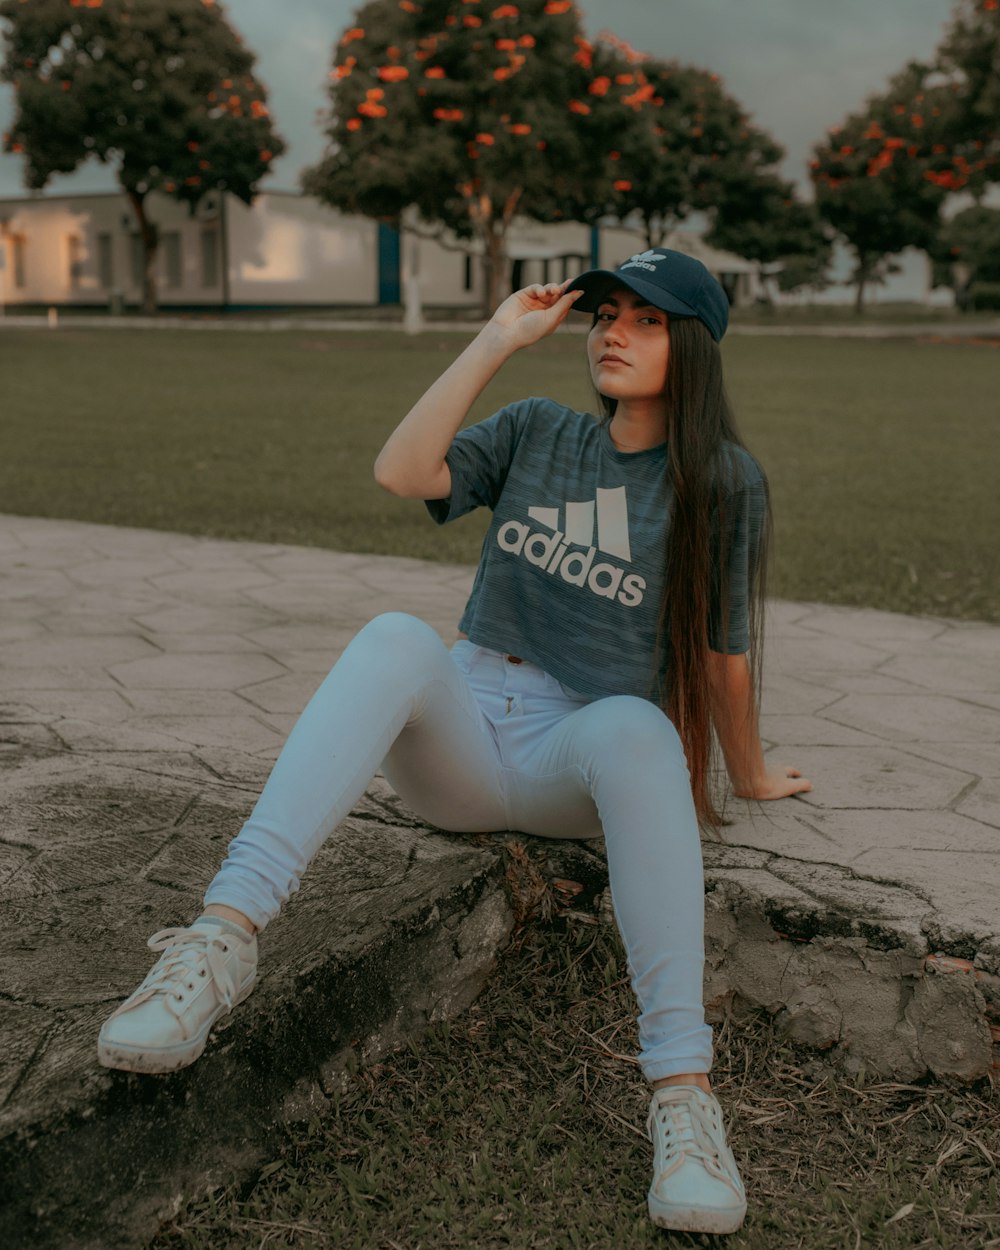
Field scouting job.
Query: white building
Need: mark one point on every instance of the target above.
(285, 250)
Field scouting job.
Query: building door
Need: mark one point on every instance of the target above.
(388, 265)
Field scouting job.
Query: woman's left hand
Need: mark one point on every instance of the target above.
(777, 785)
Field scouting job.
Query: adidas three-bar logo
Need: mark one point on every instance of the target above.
(550, 548)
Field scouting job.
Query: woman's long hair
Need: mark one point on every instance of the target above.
(705, 474)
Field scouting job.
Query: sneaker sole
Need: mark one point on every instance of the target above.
(154, 1062)
(696, 1219)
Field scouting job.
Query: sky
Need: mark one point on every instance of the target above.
(797, 66)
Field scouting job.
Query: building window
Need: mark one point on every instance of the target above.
(75, 261)
(210, 258)
(171, 244)
(19, 279)
(105, 268)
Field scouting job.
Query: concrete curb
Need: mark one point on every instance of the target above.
(396, 927)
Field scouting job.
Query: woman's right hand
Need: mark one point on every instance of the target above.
(535, 311)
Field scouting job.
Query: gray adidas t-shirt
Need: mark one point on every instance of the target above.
(571, 569)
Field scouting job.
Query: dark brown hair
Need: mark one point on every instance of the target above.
(705, 472)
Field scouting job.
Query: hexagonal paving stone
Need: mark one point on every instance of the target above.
(978, 758)
(63, 677)
(110, 572)
(189, 703)
(876, 777)
(36, 584)
(905, 832)
(46, 652)
(983, 803)
(196, 672)
(816, 730)
(130, 735)
(212, 581)
(800, 655)
(780, 830)
(242, 733)
(285, 694)
(194, 618)
(18, 631)
(204, 642)
(870, 625)
(938, 671)
(89, 705)
(786, 695)
(291, 636)
(911, 718)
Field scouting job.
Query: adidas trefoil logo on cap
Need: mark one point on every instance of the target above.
(551, 552)
(644, 260)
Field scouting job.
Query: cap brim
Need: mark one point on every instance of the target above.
(596, 283)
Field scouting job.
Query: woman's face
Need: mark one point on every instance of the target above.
(628, 347)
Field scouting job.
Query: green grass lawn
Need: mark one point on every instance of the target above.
(883, 455)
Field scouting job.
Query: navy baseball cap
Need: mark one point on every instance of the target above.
(677, 283)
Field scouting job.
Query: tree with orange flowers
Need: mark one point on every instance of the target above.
(969, 59)
(161, 89)
(882, 176)
(674, 142)
(465, 112)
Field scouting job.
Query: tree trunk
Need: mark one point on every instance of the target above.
(859, 293)
(656, 228)
(150, 242)
(494, 267)
(413, 309)
(491, 228)
(764, 291)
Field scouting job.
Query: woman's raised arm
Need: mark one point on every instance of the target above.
(412, 462)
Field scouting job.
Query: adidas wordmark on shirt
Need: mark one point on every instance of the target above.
(571, 569)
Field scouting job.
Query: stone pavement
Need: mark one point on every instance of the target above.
(147, 681)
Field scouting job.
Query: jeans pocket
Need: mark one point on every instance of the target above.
(464, 653)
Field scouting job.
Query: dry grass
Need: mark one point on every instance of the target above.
(520, 1125)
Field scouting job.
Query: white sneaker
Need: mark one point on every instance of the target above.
(696, 1185)
(203, 972)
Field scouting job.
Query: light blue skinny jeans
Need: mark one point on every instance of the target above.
(474, 743)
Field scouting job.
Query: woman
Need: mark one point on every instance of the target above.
(616, 585)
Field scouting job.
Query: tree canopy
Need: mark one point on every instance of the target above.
(470, 113)
(163, 90)
(967, 257)
(761, 219)
(675, 142)
(881, 177)
(969, 57)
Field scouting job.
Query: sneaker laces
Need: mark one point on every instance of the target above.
(692, 1129)
(183, 950)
